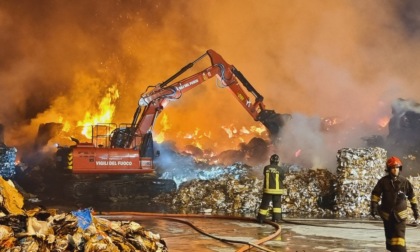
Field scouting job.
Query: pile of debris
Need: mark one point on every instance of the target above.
(311, 192)
(232, 192)
(46, 230)
(239, 192)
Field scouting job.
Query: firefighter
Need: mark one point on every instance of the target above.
(393, 190)
(272, 190)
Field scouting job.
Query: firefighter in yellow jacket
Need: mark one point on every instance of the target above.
(273, 189)
(393, 190)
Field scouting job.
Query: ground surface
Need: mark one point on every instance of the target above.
(297, 234)
(303, 235)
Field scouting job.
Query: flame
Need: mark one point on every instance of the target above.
(195, 136)
(164, 122)
(228, 131)
(197, 144)
(244, 130)
(66, 126)
(383, 122)
(232, 131)
(159, 138)
(258, 129)
(104, 115)
(297, 153)
(205, 139)
(165, 125)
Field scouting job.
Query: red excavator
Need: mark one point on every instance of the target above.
(115, 163)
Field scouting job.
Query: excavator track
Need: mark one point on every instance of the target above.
(114, 188)
(117, 190)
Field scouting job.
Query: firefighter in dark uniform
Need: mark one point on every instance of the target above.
(393, 190)
(273, 189)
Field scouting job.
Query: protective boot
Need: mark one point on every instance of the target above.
(260, 218)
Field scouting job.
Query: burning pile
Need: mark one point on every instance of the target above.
(46, 230)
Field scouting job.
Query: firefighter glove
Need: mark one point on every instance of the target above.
(373, 209)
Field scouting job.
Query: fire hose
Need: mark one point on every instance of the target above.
(303, 222)
(175, 217)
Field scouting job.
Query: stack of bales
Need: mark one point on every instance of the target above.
(358, 171)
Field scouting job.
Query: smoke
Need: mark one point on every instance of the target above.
(312, 59)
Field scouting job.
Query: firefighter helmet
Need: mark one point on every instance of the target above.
(392, 162)
(274, 159)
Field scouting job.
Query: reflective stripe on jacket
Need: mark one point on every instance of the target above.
(393, 194)
(273, 180)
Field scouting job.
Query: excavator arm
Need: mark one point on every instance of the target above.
(152, 102)
(227, 74)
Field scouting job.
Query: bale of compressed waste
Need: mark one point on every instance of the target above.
(7, 161)
(358, 171)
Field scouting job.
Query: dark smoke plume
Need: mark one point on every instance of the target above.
(312, 59)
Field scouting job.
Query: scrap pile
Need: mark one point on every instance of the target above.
(232, 192)
(310, 192)
(415, 181)
(7, 161)
(358, 171)
(46, 230)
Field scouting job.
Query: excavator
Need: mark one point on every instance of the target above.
(118, 162)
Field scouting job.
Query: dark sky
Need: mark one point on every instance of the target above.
(314, 59)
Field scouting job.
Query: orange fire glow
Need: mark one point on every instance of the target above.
(104, 115)
(383, 122)
(165, 125)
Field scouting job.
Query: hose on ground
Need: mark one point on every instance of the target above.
(175, 217)
(409, 225)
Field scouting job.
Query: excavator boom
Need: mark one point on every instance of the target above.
(154, 100)
(128, 149)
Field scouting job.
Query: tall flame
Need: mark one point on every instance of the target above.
(105, 112)
(160, 137)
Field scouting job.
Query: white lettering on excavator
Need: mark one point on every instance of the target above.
(188, 84)
(125, 163)
(122, 163)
